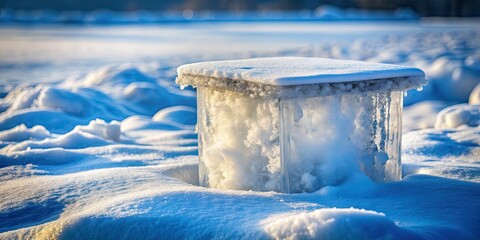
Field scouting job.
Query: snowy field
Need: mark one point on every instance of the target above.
(97, 141)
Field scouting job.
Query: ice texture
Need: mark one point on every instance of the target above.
(296, 144)
(297, 124)
(287, 71)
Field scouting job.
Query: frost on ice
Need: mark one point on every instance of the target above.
(297, 124)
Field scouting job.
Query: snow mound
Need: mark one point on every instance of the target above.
(180, 114)
(454, 78)
(98, 127)
(422, 114)
(63, 100)
(22, 133)
(58, 109)
(111, 76)
(21, 97)
(96, 133)
(333, 223)
(134, 89)
(148, 96)
(461, 115)
(474, 97)
(48, 97)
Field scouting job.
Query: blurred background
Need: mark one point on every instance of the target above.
(453, 8)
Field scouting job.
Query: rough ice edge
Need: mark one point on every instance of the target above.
(255, 90)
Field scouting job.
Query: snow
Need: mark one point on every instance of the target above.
(449, 153)
(21, 133)
(332, 223)
(461, 115)
(145, 184)
(285, 71)
(474, 97)
(422, 114)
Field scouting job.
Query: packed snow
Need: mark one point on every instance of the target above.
(286, 71)
(97, 140)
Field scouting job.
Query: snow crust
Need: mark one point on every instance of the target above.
(287, 71)
(144, 185)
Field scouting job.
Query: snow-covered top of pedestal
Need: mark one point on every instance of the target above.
(289, 75)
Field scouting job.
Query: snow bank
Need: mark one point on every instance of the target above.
(458, 87)
(144, 201)
(110, 93)
(461, 115)
(422, 115)
(179, 114)
(63, 100)
(333, 223)
(98, 127)
(96, 133)
(58, 109)
(136, 90)
(53, 121)
(22, 133)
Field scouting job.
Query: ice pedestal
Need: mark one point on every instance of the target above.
(293, 125)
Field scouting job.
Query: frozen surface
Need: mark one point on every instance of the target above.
(298, 144)
(72, 178)
(284, 71)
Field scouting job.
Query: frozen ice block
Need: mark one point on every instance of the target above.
(291, 124)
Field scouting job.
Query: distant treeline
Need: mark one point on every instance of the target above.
(457, 8)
